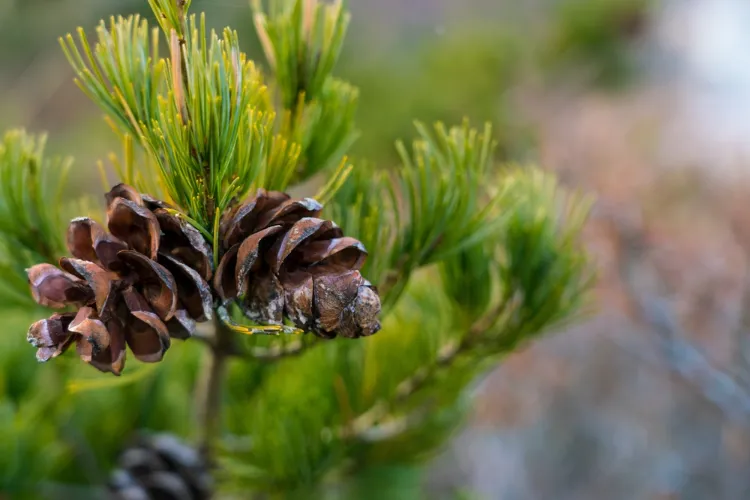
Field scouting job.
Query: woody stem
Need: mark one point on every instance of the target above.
(210, 387)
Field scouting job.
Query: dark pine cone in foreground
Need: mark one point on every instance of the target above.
(280, 260)
(140, 283)
(160, 467)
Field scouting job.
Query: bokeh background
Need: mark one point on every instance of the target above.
(644, 103)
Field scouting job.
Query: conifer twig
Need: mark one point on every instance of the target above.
(275, 353)
(210, 388)
(448, 354)
(263, 354)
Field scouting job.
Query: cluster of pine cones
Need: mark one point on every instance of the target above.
(150, 277)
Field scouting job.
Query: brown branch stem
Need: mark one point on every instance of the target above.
(210, 388)
(262, 354)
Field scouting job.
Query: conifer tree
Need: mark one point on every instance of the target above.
(338, 331)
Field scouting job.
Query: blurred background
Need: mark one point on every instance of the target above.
(644, 103)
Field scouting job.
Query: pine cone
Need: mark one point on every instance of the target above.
(280, 260)
(139, 284)
(160, 467)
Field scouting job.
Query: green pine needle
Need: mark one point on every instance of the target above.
(435, 205)
(122, 73)
(324, 127)
(302, 40)
(545, 269)
(31, 228)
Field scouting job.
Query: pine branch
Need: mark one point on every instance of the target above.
(210, 390)
(204, 117)
(366, 423)
(507, 300)
(252, 349)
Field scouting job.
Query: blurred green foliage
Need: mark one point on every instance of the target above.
(468, 73)
(595, 39)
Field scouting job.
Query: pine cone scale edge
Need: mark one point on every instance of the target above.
(193, 293)
(185, 243)
(225, 281)
(98, 279)
(135, 225)
(248, 254)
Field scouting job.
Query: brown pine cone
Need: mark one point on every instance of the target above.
(280, 260)
(160, 467)
(139, 284)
